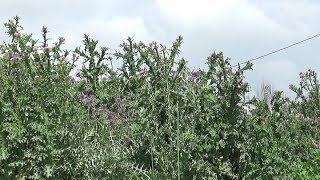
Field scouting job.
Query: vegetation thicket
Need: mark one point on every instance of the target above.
(153, 118)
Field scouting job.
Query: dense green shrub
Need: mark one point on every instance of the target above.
(36, 106)
(152, 118)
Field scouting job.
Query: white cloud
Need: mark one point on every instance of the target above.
(227, 15)
(243, 30)
(191, 11)
(294, 14)
(119, 28)
(236, 27)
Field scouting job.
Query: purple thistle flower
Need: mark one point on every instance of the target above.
(84, 95)
(90, 100)
(118, 99)
(103, 106)
(110, 119)
(195, 74)
(122, 109)
(86, 98)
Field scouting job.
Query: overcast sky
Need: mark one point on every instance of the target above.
(242, 29)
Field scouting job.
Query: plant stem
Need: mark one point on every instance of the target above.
(178, 141)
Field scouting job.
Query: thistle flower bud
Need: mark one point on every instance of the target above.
(195, 74)
(15, 58)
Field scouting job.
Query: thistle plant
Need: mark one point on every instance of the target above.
(152, 118)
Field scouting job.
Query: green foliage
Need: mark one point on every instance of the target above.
(153, 118)
(309, 169)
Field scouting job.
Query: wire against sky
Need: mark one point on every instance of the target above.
(273, 52)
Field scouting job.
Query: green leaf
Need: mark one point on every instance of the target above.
(135, 127)
(48, 171)
(212, 132)
(221, 143)
(211, 97)
(248, 66)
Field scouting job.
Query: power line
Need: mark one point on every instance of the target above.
(273, 52)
